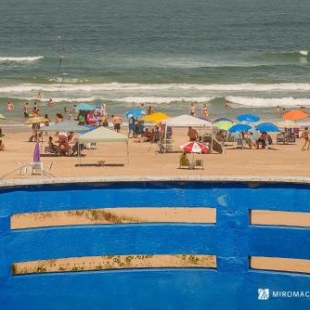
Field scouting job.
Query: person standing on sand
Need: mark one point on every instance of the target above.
(117, 121)
(192, 134)
(305, 135)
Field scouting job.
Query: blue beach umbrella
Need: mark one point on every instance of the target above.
(134, 112)
(249, 118)
(239, 127)
(84, 107)
(267, 127)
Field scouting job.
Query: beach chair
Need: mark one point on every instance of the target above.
(37, 168)
(280, 138)
(198, 164)
(291, 138)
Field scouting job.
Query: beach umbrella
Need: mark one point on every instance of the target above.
(267, 127)
(223, 124)
(2, 116)
(36, 120)
(156, 117)
(249, 118)
(223, 119)
(194, 147)
(84, 107)
(65, 126)
(295, 115)
(134, 112)
(36, 153)
(239, 127)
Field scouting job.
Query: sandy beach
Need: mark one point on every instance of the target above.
(143, 159)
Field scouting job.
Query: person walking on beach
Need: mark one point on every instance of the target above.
(192, 109)
(305, 135)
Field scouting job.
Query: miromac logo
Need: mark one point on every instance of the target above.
(263, 293)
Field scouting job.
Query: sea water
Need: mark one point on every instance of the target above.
(164, 53)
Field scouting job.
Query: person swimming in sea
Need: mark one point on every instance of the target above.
(9, 106)
(228, 103)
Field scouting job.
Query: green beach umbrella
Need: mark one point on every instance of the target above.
(2, 116)
(223, 124)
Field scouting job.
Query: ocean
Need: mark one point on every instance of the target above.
(165, 54)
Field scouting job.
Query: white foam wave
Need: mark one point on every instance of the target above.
(130, 100)
(252, 102)
(162, 100)
(20, 59)
(125, 87)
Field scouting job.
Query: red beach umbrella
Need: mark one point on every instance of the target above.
(194, 147)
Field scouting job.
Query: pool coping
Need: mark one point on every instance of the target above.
(156, 178)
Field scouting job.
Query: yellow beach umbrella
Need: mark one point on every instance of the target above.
(155, 117)
(36, 120)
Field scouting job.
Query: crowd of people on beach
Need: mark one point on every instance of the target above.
(98, 116)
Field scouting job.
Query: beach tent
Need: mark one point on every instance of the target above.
(189, 121)
(102, 134)
(64, 126)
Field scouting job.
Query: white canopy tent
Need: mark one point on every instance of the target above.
(189, 121)
(64, 126)
(102, 134)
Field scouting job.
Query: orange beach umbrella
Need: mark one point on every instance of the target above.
(295, 115)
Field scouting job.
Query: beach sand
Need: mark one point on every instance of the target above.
(281, 160)
(144, 160)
